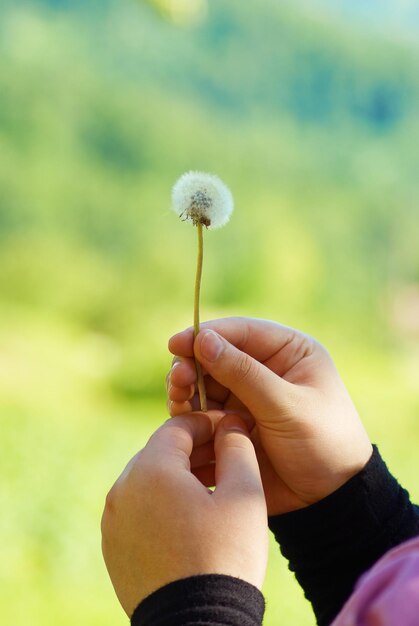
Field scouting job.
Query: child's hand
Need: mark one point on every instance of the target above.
(308, 435)
(161, 524)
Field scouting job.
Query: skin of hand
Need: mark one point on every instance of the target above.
(307, 433)
(161, 524)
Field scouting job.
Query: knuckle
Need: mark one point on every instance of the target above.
(244, 368)
(304, 345)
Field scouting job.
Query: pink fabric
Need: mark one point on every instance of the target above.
(388, 594)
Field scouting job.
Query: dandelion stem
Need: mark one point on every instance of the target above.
(200, 376)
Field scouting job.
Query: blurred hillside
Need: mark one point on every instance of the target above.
(393, 18)
(311, 118)
(313, 124)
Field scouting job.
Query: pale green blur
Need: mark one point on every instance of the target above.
(311, 119)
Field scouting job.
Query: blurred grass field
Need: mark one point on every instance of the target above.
(312, 122)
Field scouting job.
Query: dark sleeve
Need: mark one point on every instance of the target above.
(207, 600)
(331, 543)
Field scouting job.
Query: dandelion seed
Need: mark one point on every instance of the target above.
(203, 200)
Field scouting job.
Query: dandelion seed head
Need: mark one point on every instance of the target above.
(202, 199)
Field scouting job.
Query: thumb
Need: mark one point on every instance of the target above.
(263, 392)
(236, 466)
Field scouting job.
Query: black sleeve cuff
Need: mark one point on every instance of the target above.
(331, 543)
(207, 600)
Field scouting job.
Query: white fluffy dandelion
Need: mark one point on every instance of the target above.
(204, 200)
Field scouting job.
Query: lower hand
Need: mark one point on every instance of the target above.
(162, 524)
(308, 435)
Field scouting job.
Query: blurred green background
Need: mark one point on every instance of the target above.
(309, 112)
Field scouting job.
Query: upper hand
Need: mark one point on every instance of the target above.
(162, 524)
(308, 435)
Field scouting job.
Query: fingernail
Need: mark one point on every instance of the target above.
(211, 345)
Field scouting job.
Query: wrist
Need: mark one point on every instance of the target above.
(332, 542)
(209, 598)
(344, 471)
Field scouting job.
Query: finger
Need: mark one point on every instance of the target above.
(214, 390)
(191, 406)
(262, 391)
(261, 339)
(183, 373)
(180, 408)
(236, 466)
(173, 442)
(205, 455)
(181, 394)
(194, 404)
